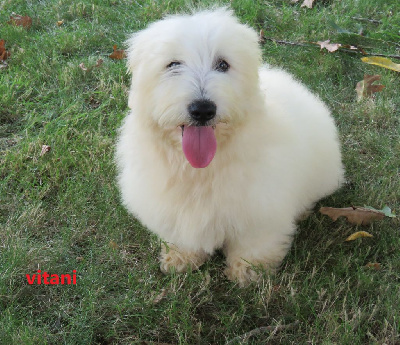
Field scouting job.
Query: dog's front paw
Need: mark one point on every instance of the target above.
(244, 272)
(172, 259)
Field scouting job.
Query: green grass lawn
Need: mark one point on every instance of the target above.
(61, 211)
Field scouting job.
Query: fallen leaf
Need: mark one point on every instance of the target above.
(84, 68)
(387, 211)
(276, 288)
(99, 63)
(358, 234)
(364, 88)
(24, 21)
(4, 54)
(374, 265)
(348, 46)
(261, 36)
(45, 149)
(113, 245)
(330, 47)
(160, 296)
(307, 3)
(355, 214)
(60, 22)
(94, 103)
(382, 62)
(117, 54)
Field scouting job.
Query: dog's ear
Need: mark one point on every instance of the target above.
(138, 43)
(136, 46)
(133, 52)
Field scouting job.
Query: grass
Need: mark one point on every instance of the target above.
(61, 211)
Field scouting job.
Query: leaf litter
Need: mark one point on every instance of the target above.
(355, 215)
(4, 54)
(18, 20)
(381, 62)
(117, 54)
(358, 234)
(88, 69)
(365, 88)
(306, 3)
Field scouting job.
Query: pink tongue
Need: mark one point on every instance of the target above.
(199, 145)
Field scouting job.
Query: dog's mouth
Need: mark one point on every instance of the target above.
(199, 145)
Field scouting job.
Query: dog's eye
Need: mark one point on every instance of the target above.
(173, 64)
(222, 66)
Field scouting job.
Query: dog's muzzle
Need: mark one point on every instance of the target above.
(202, 111)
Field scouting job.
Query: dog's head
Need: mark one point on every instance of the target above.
(194, 73)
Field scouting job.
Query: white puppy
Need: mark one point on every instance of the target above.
(219, 151)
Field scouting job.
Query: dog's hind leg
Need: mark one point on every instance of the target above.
(173, 259)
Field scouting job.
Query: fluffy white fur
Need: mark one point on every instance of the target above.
(277, 146)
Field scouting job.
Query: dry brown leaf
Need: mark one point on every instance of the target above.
(93, 102)
(374, 265)
(99, 63)
(24, 21)
(60, 22)
(261, 36)
(45, 149)
(113, 245)
(85, 69)
(330, 47)
(4, 54)
(365, 88)
(276, 288)
(160, 296)
(117, 54)
(358, 234)
(355, 214)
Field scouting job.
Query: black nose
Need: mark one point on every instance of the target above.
(202, 110)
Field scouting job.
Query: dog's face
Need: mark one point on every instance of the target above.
(193, 73)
